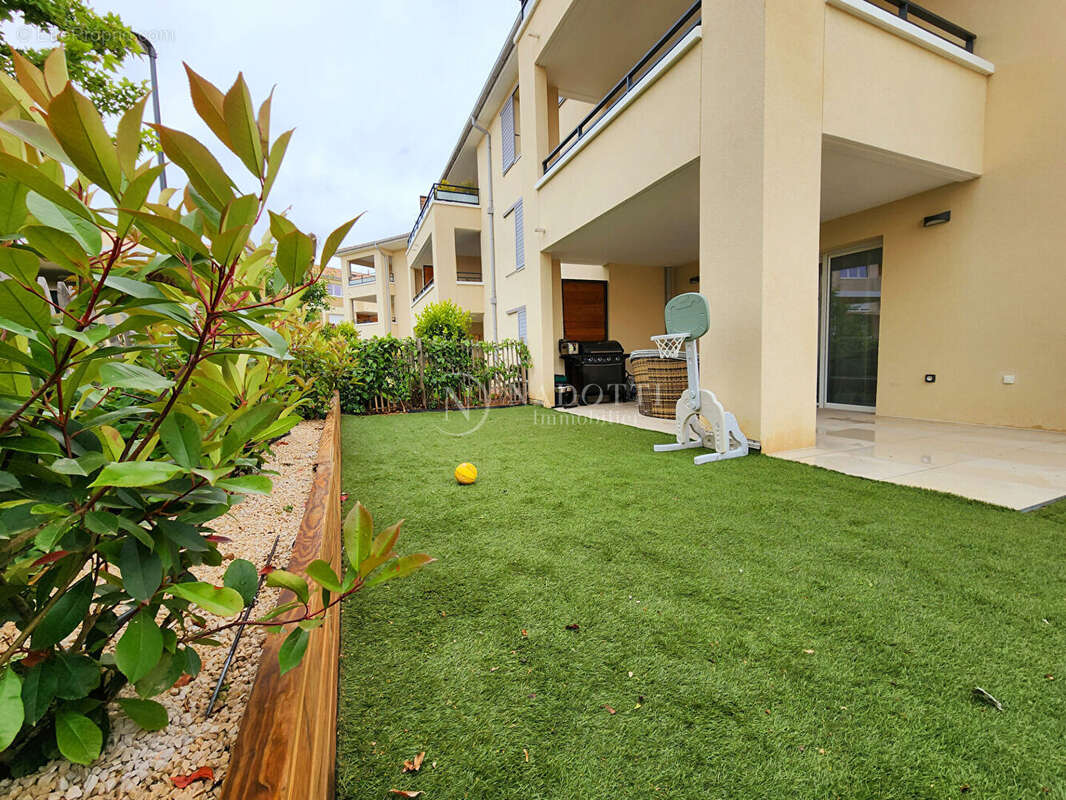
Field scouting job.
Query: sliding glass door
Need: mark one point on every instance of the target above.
(850, 328)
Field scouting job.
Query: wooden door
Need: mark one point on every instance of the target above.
(585, 311)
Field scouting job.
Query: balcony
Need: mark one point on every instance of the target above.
(421, 293)
(643, 70)
(643, 131)
(447, 193)
(904, 96)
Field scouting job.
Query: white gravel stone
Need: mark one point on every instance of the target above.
(137, 764)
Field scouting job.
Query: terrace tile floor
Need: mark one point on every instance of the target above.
(1013, 467)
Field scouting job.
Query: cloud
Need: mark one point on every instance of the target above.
(378, 91)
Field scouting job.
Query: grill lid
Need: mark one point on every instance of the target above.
(609, 346)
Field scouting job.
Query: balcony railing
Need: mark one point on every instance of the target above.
(362, 279)
(680, 29)
(911, 11)
(422, 292)
(468, 277)
(447, 192)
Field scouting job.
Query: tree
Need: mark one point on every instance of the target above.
(315, 300)
(443, 320)
(137, 405)
(95, 47)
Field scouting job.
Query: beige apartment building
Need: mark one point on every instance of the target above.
(370, 288)
(870, 194)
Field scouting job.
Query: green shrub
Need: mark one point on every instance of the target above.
(141, 410)
(384, 367)
(323, 359)
(443, 320)
(404, 373)
(345, 330)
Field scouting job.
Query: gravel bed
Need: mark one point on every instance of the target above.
(139, 764)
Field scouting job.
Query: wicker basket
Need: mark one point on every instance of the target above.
(660, 382)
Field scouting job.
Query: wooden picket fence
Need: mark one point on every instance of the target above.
(507, 384)
(286, 748)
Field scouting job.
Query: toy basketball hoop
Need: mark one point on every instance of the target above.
(669, 344)
(701, 420)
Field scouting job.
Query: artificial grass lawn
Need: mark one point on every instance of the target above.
(699, 592)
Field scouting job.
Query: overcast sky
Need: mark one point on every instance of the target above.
(378, 90)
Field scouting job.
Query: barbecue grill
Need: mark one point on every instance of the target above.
(596, 370)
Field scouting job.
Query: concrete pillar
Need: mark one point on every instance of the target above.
(444, 261)
(538, 105)
(381, 287)
(760, 197)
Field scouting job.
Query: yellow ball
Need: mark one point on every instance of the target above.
(466, 473)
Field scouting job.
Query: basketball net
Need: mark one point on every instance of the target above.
(669, 344)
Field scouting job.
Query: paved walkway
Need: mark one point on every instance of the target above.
(1013, 467)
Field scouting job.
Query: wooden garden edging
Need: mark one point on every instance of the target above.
(287, 745)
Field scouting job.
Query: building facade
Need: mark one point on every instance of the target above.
(869, 195)
(372, 288)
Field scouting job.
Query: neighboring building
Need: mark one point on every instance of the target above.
(334, 314)
(375, 287)
(791, 160)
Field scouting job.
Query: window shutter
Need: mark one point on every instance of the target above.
(522, 324)
(507, 123)
(519, 237)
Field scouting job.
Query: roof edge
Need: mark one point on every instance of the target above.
(400, 237)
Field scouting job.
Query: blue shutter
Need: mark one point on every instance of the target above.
(522, 324)
(507, 123)
(519, 237)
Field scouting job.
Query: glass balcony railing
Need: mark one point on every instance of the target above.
(447, 192)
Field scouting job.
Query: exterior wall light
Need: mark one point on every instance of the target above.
(936, 219)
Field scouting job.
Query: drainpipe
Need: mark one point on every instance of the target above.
(492, 236)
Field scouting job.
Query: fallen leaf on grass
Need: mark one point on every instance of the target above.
(573, 626)
(985, 697)
(610, 710)
(809, 652)
(405, 793)
(414, 765)
(526, 752)
(1050, 677)
(202, 774)
(525, 635)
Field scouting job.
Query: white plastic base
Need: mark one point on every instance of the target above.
(706, 424)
